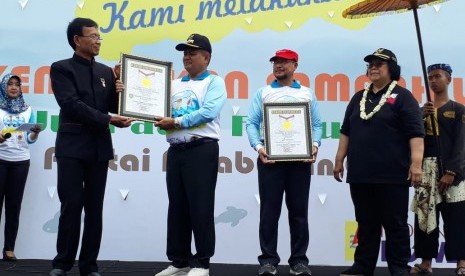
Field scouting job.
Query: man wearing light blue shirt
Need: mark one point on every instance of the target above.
(291, 178)
(193, 132)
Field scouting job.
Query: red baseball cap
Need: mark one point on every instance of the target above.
(286, 54)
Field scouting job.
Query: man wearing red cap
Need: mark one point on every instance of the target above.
(291, 178)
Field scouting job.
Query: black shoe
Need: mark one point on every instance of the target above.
(267, 270)
(351, 272)
(94, 274)
(300, 269)
(7, 258)
(57, 272)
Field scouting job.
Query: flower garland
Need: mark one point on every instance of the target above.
(384, 98)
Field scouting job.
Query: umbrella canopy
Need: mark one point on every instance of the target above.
(369, 8)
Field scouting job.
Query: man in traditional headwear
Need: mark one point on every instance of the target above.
(441, 192)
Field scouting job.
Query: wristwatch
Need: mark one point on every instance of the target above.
(177, 123)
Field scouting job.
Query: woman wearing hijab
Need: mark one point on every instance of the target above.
(14, 156)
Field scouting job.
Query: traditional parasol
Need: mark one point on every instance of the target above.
(369, 8)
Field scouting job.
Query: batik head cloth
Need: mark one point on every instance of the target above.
(440, 66)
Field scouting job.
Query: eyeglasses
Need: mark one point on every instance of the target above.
(376, 64)
(94, 37)
(282, 61)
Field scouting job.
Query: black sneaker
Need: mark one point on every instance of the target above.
(351, 272)
(300, 269)
(267, 270)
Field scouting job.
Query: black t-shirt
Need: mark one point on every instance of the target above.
(379, 149)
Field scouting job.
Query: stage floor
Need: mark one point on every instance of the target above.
(119, 268)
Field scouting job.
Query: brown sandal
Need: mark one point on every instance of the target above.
(417, 269)
(460, 270)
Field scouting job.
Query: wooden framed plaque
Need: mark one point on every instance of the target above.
(147, 88)
(288, 131)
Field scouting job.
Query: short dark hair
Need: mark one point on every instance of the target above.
(75, 28)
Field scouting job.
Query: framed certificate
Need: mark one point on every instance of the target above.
(287, 131)
(147, 91)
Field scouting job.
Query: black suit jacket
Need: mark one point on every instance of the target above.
(85, 91)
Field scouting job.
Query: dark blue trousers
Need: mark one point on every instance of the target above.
(292, 180)
(191, 176)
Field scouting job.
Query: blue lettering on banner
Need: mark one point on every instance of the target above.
(208, 9)
(158, 16)
(141, 18)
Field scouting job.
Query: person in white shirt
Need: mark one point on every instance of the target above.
(192, 162)
(14, 155)
(290, 178)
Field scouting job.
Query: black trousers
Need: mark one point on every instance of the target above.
(377, 206)
(426, 245)
(275, 180)
(13, 176)
(191, 176)
(81, 185)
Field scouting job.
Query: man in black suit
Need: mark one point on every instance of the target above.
(85, 91)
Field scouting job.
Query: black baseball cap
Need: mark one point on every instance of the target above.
(382, 53)
(195, 41)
